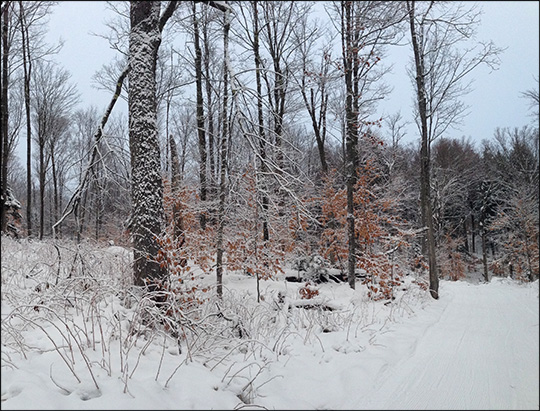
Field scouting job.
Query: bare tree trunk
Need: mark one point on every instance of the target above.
(42, 171)
(5, 117)
(223, 162)
(425, 188)
(484, 252)
(56, 205)
(319, 128)
(147, 186)
(210, 115)
(318, 119)
(351, 138)
(529, 257)
(200, 118)
(27, 67)
(262, 137)
(473, 235)
(99, 209)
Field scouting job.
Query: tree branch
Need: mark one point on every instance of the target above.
(216, 4)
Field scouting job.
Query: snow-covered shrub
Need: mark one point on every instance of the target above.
(312, 269)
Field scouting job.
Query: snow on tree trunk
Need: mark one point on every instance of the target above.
(223, 163)
(147, 186)
(350, 55)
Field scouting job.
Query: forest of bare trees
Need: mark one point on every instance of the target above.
(253, 140)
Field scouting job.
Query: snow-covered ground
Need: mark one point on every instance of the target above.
(77, 343)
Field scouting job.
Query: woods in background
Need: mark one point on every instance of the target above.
(253, 140)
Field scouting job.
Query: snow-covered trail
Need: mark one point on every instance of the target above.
(481, 353)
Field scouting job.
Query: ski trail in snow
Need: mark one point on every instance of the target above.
(482, 353)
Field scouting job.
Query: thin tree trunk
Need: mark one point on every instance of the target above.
(279, 113)
(27, 68)
(320, 129)
(466, 235)
(210, 115)
(528, 254)
(318, 125)
(425, 196)
(351, 138)
(473, 235)
(55, 187)
(5, 117)
(484, 253)
(99, 210)
(41, 185)
(262, 137)
(223, 162)
(200, 118)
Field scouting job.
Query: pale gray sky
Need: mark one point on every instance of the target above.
(494, 102)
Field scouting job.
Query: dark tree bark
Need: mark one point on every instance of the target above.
(425, 196)
(200, 118)
(210, 113)
(260, 117)
(56, 204)
(350, 56)
(147, 186)
(27, 67)
(42, 172)
(473, 234)
(484, 252)
(318, 120)
(5, 115)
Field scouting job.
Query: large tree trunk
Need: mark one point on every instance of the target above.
(425, 188)
(147, 186)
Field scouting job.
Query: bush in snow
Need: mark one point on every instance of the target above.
(312, 269)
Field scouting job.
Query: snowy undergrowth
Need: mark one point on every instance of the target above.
(70, 307)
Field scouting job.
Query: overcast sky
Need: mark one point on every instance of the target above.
(494, 102)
